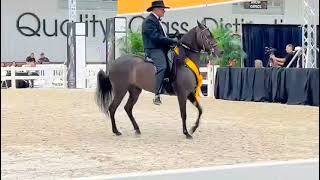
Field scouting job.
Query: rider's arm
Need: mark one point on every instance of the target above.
(152, 31)
(278, 60)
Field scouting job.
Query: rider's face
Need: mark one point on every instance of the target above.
(160, 12)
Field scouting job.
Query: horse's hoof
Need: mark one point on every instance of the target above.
(117, 133)
(192, 130)
(188, 136)
(138, 133)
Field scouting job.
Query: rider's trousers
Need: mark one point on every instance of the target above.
(159, 59)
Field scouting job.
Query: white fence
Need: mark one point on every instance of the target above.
(281, 170)
(44, 76)
(55, 75)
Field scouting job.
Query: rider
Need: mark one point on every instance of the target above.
(156, 43)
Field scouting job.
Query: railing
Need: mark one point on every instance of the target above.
(55, 75)
(44, 76)
(210, 71)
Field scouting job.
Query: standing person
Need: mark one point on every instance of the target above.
(156, 44)
(43, 59)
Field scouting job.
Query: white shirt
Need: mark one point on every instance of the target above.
(160, 23)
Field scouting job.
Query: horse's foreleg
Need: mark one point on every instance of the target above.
(194, 101)
(182, 103)
(133, 98)
(113, 107)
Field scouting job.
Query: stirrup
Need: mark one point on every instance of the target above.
(166, 80)
(157, 100)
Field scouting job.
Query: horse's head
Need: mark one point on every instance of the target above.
(205, 40)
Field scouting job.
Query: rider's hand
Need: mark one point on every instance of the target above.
(174, 43)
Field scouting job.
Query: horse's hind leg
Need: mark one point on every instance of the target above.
(134, 93)
(183, 103)
(194, 101)
(118, 96)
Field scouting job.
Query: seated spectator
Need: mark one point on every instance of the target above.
(283, 62)
(43, 59)
(3, 64)
(31, 58)
(258, 63)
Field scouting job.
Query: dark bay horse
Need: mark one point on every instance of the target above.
(132, 74)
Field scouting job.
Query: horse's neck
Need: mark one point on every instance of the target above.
(190, 39)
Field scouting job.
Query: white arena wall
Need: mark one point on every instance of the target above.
(16, 46)
(273, 170)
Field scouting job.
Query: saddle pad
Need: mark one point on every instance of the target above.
(193, 67)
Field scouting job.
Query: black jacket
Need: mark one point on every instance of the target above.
(153, 35)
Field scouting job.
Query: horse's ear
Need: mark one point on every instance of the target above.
(199, 24)
(203, 24)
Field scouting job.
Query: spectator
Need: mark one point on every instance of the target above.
(3, 64)
(14, 64)
(258, 63)
(283, 62)
(30, 58)
(43, 59)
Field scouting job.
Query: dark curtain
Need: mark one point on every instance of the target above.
(284, 85)
(258, 36)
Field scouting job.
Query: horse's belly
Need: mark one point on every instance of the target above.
(145, 76)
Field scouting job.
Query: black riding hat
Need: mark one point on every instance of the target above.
(156, 4)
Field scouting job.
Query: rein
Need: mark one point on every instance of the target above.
(189, 48)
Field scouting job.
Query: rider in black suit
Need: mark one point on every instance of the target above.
(156, 43)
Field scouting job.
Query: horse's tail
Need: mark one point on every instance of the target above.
(103, 91)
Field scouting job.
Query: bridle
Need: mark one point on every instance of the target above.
(206, 40)
(203, 37)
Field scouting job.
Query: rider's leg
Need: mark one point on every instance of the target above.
(159, 59)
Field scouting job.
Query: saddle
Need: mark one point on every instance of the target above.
(171, 72)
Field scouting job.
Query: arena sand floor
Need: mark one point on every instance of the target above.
(48, 133)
